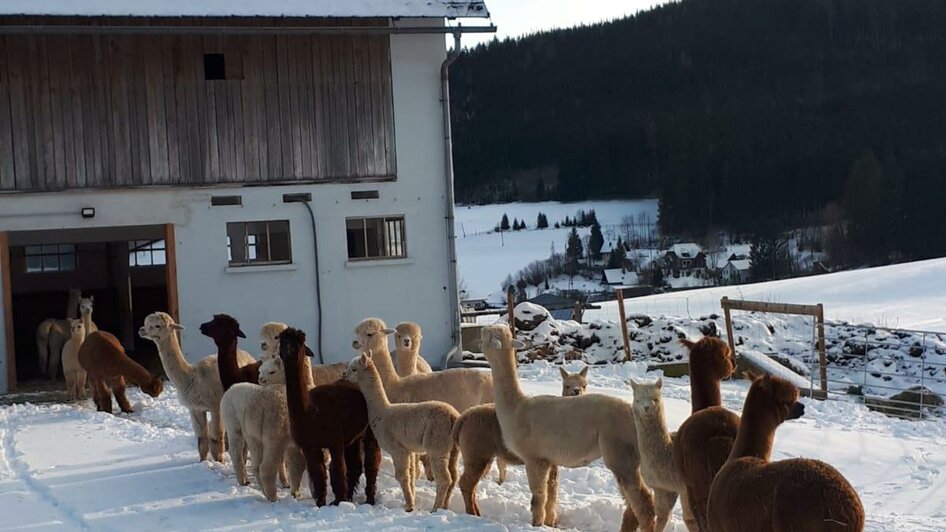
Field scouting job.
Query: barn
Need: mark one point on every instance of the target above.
(277, 161)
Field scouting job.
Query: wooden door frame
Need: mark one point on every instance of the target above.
(170, 245)
(5, 281)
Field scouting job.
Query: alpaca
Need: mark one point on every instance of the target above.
(103, 358)
(198, 385)
(333, 417)
(480, 440)
(320, 373)
(52, 334)
(599, 426)
(656, 449)
(704, 439)
(407, 428)
(273, 373)
(460, 388)
(256, 415)
(574, 383)
(753, 494)
(75, 375)
(407, 339)
(224, 330)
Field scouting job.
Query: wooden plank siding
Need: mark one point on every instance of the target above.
(117, 110)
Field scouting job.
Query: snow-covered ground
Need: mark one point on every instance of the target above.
(68, 467)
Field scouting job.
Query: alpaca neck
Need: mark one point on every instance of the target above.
(373, 390)
(704, 390)
(87, 321)
(506, 388)
(382, 362)
(755, 436)
(134, 372)
(653, 434)
(406, 359)
(227, 361)
(175, 365)
(297, 393)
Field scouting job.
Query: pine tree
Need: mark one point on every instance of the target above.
(596, 242)
(542, 222)
(504, 223)
(616, 258)
(574, 249)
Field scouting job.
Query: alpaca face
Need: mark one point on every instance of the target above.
(371, 334)
(86, 304)
(358, 367)
(272, 372)
(496, 339)
(777, 396)
(407, 336)
(77, 328)
(648, 401)
(222, 327)
(153, 388)
(574, 383)
(268, 338)
(158, 326)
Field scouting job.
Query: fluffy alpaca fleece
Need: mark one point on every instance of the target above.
(460, 388)
(256, 415)
(407, 428)
(752, 494)
(333, 417)
(75, 375)
(103, 358)
(198, 385)
(600, 426)
(52, 334)
(407, 339)
(225, 331)
(703, 441)
(320, 373)
(480, 439)
(656, 448)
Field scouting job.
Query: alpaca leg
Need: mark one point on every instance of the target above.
(272, 461)
(97, 390)
(42, 347)
(338, 475)
(663, 506)
(118, 388)
(315, 464)
(639, 501)
(199, 421)
(80, 383)
(441, 479)
(402, 473)
(454, 471)
(698, 501)
(104, 403)
(353, 462)
(473, 470)
(501, 467)
(538, 473)
(237, 456)
(688, 518)
(71, 385)
(425, 459)
(415, 466)
(283, 473)
(216, 435)
(551, 504)
(372, 453)
(296, 465)
(255, 448)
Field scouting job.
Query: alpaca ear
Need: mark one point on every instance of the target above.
(388, 331)
(240, 333)
(308, 352)
(517, 344)
(175, 327)
(563, 372)
(660, 383)
(92, 299)
(584, 371)
(633, 383)
(365, 358)
(687, 343)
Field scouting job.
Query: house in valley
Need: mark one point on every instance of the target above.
(684, 259)
(276, 161)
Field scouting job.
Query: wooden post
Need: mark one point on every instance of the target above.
(822, 359)
(627, 343)
(726, 312)
(170, 245)
(511, 309)
(5, 275)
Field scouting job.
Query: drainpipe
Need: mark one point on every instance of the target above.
(452, 287)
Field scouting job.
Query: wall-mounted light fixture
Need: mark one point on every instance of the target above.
(88, 212)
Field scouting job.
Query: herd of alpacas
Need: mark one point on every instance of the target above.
(288, 416)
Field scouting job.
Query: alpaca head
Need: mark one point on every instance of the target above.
(359, 367)
(222, 328)
(77, 328)
(648, 402)
(85, 305)
(407, 336)
(574, 383)
(269, 338)
(272, 372)
(154, 387)
(496, 340)
(371, 334)
(291, 341)
(159, 326)
(772, 400)
(710, 357)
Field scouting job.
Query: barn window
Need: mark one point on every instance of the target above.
(376, 238)
(258, 243)
(50, 258)
(147, 253)
(215, 67)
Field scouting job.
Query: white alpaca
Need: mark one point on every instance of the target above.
(599, 426)
(52, 334)
(75, 375)
(256, 418)
(656, 449)
(317, 375)
(461, 388)
(407, 339)
(574, 383)
(404, 429)
(198, 385)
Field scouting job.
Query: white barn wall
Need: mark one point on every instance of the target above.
(410, 289)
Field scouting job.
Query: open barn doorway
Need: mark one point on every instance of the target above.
(129, 271)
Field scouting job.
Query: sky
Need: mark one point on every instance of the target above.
(520, 17)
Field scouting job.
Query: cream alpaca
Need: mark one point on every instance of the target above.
(256, 415)
(656, 449)
(404, 429)
(198, 385)
(52, 334)
(75, 375)
(320, 373)
(407, 339)
(574, 383)
(600, 426)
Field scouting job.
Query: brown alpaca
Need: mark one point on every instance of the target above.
(752, 494)
(703, 441)
(333, 417)
(224, 330)
(107, 366)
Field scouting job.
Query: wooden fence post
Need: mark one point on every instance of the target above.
(627, 343)
(822, 359)
(511, 308)
(726, 312)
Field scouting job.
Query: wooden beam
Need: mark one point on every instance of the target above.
(729, 334)
(511, 309)
(5, 275)
(822, 359)
(764, 306)
(170, 245)
(627, 343)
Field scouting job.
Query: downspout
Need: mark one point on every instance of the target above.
(452, 286)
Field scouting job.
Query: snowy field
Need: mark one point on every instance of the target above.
(68, 467)
(486, 258)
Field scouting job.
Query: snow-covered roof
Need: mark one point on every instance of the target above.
(741, 265)
(619, 276)
(687, 250)
(247, 8)
(739, 251)
(644, 257)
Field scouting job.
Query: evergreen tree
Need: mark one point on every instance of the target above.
(541, 222)
(504, 223)
(574, 249)
(656, 276)
(616, 258)
(596, 242)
